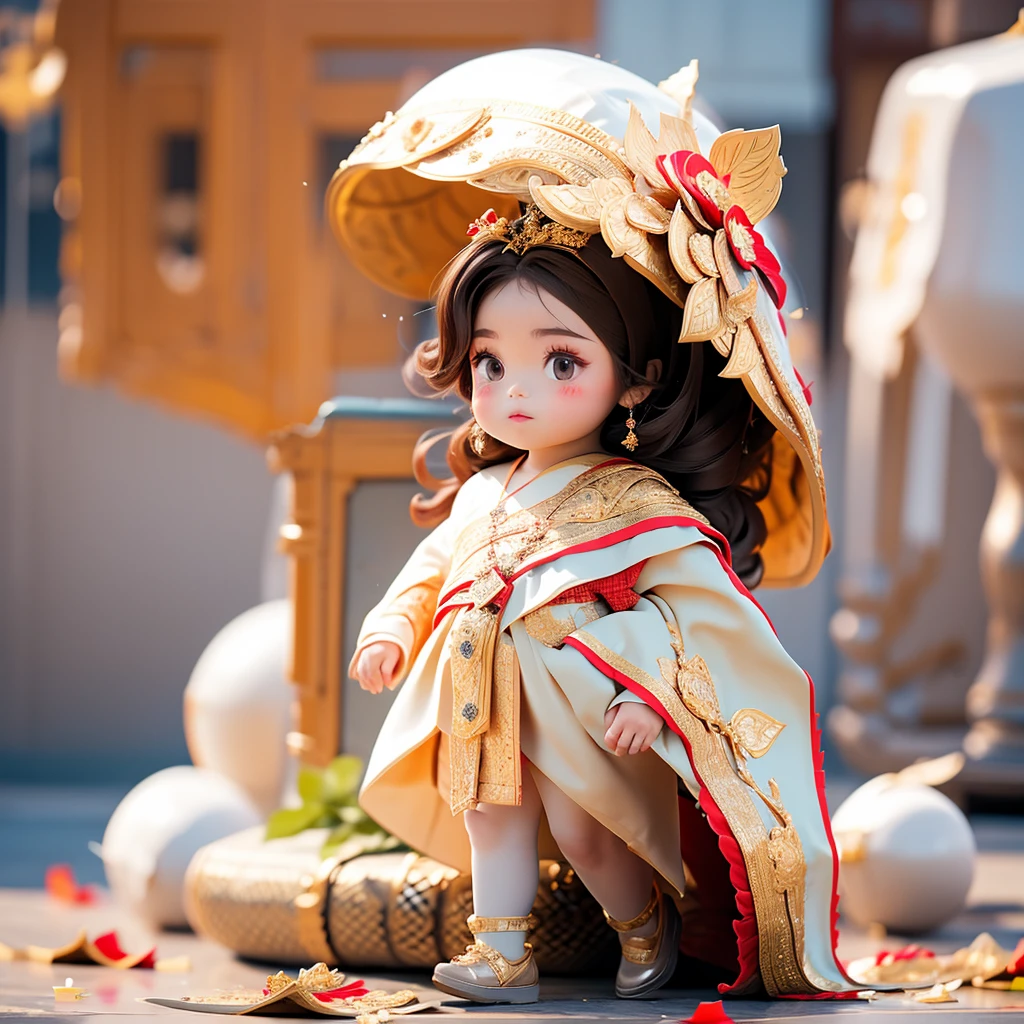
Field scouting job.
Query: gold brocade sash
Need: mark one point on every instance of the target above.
(486, 766)
(489, 554)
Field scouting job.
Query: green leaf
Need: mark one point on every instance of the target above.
(328, 819)
(341, 778)
(291, 821)
(335, 838)
(352, 815)
(311, 786)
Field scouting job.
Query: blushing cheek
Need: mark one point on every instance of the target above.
(570, 391)
(483, 399)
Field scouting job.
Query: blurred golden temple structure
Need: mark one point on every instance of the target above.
(198, 137)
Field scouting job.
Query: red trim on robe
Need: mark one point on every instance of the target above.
(818, 760)
(745, 926)
(721, 549)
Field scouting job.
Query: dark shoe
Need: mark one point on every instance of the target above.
(648, 963)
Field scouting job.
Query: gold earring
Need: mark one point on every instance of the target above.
(477, 438)
(630, 442)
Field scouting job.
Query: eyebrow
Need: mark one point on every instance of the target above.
(537, 332)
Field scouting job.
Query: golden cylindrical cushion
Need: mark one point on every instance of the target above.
(278, 901)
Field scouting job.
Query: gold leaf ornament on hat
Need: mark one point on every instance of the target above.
(631, 215)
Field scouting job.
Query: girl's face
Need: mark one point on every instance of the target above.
(541, 377)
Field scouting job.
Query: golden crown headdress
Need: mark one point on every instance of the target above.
(531, 229)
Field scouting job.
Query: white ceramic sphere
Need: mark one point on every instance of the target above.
(238, 703)
(157, 828)
(916, 856)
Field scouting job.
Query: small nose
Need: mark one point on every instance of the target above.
(516, 391)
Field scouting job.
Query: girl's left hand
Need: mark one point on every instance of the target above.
(631, 728)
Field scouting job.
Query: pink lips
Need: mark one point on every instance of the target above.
(520, 417)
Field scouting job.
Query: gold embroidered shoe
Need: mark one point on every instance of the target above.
(483, 975)
(648, 962)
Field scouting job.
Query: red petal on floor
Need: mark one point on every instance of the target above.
(709, 1013)
(108, 946)
(912, 952)
(61, 885)
(350, 991)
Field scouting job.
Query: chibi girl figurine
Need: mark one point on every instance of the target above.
(583, 666)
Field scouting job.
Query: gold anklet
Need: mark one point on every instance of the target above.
(641, 919)
(479, 924)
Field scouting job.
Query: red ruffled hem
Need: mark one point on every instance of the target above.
(818, 759)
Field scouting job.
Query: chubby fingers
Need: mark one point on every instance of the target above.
(613, 736)
(388, 666)
(368, 672)
(620, 738)
(625, 736)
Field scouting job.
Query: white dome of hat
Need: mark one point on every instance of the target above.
(591, 89)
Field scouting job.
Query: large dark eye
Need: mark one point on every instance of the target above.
(561, 367)
(491, 368)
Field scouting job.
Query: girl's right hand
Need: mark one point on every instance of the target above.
(375, 667)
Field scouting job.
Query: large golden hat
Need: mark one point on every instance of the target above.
(573, 135)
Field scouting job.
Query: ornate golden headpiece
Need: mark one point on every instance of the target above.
(531, 229)
(682, 215)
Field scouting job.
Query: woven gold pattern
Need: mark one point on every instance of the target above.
(383, 910)
(357, 910)
(241, 892)
(456, 908)
(412, 921)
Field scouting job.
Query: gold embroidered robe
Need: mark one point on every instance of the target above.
(740, 741)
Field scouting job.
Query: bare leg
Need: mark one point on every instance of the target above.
(617, 878)
(504, 844)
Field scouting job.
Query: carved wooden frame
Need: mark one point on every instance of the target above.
(355, 440)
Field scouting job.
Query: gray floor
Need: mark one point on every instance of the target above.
(42, 826)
